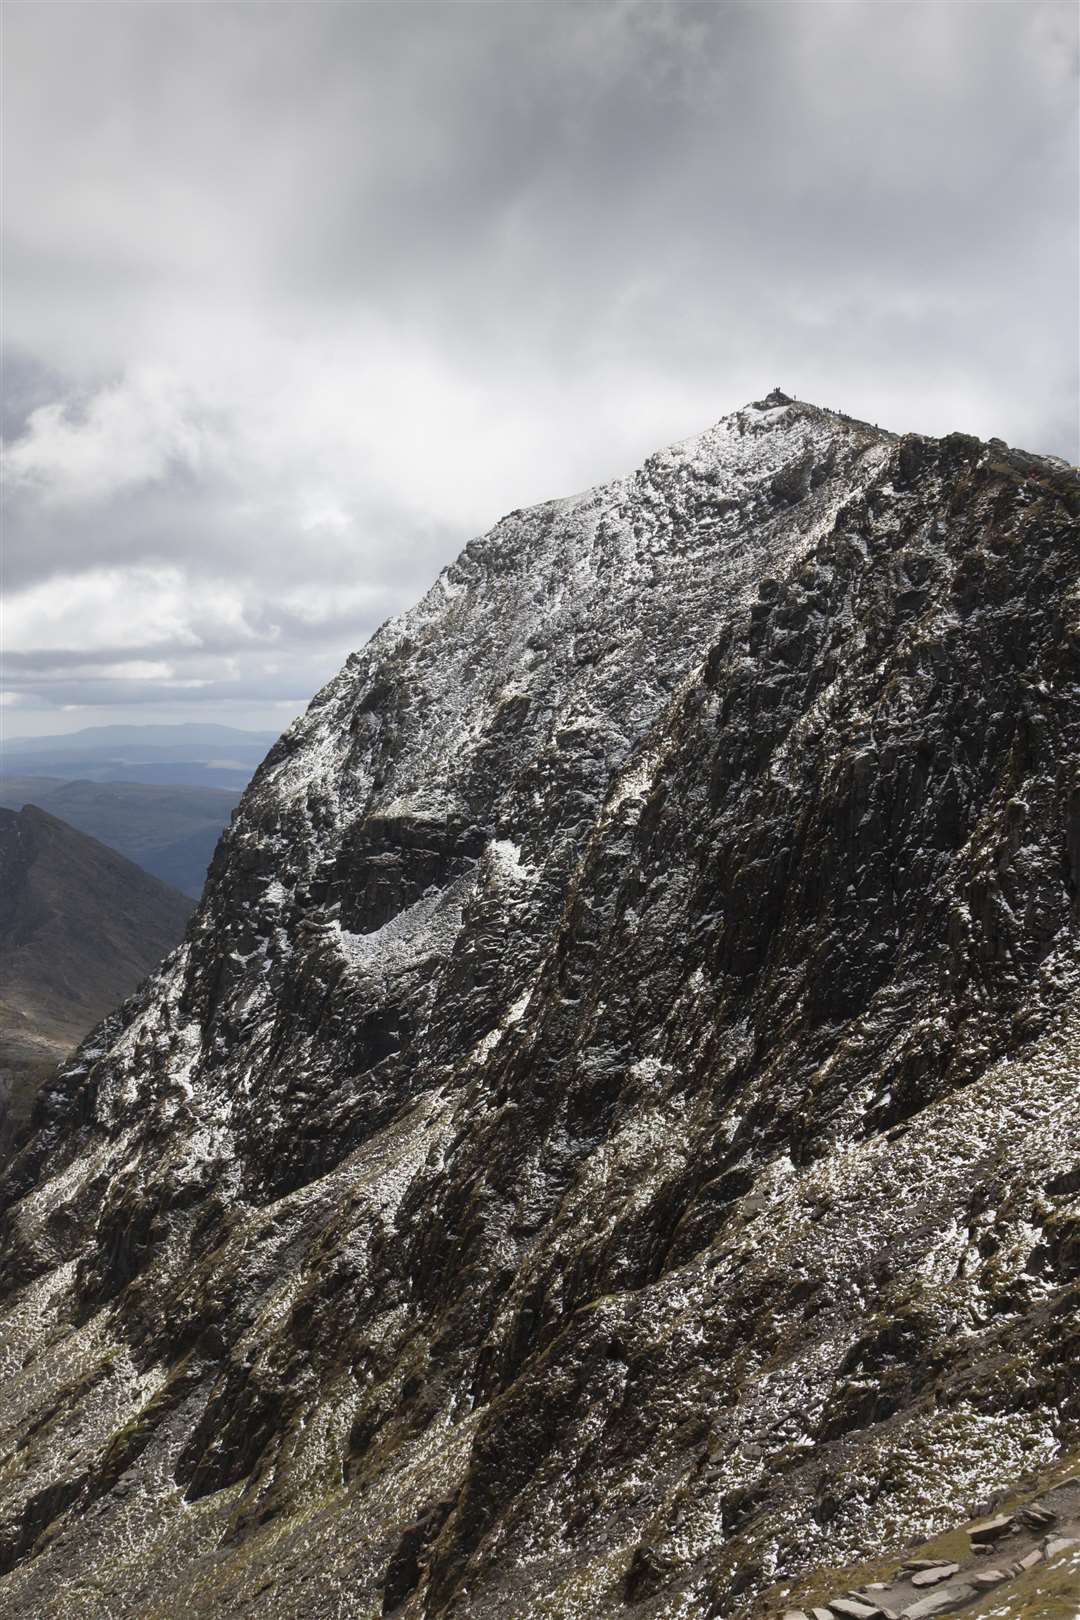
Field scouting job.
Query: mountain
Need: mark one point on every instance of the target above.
(606, 1146)
(192, 738)
(171, 832)
(184, 755)
(79, 929)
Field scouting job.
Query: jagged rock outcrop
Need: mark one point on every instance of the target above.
(607, 1143)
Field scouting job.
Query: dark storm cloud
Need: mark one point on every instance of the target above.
(299, 296)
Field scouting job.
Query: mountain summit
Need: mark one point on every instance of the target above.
(606, 1145)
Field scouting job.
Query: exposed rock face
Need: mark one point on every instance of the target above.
(608, 1141)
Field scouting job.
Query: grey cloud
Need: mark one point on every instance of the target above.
(323, 289)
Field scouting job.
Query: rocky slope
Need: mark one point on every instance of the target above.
(79, 929)
(607, 1145)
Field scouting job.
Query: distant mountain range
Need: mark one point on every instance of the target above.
(158, 794)
(170, 831)
(80, 928)
(188, 755)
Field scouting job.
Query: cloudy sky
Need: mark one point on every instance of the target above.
(300, 296)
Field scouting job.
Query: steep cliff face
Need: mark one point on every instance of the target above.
(607, 1144)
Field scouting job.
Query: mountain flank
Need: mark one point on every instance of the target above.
(606, 1146)
(80, 927)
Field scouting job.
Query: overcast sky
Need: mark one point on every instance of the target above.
(299, 297)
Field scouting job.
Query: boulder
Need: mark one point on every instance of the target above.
(930, 1577)
(990, 1529)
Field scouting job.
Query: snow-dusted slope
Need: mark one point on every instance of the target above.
(607, 1123)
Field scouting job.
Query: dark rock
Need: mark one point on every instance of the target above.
(406, 1565)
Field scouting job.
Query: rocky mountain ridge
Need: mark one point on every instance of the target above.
(607, 1143)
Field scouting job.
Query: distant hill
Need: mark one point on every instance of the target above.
(195, 737)
(80, 927)
(170, 832)
(191, 755)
